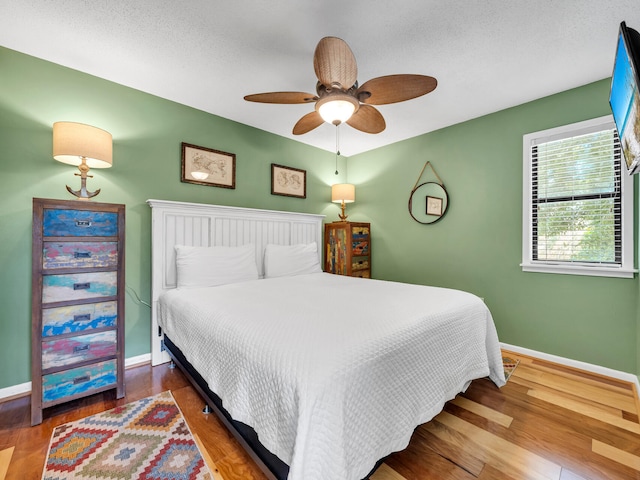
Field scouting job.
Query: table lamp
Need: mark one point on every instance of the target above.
(343, 193)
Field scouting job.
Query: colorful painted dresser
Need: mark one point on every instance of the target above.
(347, 249)
(77, 338)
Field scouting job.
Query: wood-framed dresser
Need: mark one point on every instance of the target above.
(347, 249)
(78, 284)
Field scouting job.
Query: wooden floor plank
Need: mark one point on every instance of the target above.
(5, 460)
(385, 472)
(239, 466)
(586, 410)
(617, 455)
(587, 377)
(207, 458)
(491, 473)
(575, 387)
(587, 401)
(483, 411)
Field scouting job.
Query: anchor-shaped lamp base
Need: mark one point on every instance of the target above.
(83, 193)
(342, 216)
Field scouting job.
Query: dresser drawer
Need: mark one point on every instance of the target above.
(360, 247)
(81, 380)
(79, 223)
(70, 350)
(360, 240)
(78, 286)
(79, 254)
(359, 263)
(78, 318)
(360, 233)
(362, 273)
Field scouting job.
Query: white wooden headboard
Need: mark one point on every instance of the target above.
(196, 224)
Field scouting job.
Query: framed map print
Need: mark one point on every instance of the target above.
(287, 181)
(206, 166)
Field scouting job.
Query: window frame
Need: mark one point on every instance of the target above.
(626, 269)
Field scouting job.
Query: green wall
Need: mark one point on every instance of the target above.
(477, 246)
(147, 132)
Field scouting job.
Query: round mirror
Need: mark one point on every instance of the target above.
(428, 202)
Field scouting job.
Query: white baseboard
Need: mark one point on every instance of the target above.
(25, 388)
(135, 361)
(587, 367)
(15, 391)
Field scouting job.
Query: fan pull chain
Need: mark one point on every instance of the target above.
(337, 146)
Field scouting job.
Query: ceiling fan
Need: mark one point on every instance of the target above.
(338, 97)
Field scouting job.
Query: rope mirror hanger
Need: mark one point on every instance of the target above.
(428, 201)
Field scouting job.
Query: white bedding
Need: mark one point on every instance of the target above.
(333, 372)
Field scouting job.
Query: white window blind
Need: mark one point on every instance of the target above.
(574, 182)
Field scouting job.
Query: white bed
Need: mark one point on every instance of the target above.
(333, 373)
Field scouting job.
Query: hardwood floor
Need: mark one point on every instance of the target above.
(548, 422)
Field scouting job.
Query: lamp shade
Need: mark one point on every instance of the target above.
(343, 192)
(72, 141)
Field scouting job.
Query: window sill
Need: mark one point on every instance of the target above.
(593, 271)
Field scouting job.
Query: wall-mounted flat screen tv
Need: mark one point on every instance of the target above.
(624, 98)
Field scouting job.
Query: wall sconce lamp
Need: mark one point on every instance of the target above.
(343, 193)
(85, 147)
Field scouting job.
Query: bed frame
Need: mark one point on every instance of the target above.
(192, 224)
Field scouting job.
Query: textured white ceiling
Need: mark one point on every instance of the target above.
(486, 54)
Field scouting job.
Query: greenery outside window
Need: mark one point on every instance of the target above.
(577, 202)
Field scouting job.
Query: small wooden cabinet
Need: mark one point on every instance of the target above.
(77, 338)
(347, 249)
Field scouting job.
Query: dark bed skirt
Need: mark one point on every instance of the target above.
(271, 465)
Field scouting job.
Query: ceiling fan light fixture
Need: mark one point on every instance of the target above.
(341, 98)
(337, 108)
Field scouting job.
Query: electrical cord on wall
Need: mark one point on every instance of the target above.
(137, 299)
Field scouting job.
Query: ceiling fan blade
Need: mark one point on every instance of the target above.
(307, 123)
(335, 64)
(367, 119)
(395, 88)
(282, 97)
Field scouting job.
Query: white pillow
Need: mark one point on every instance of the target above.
(213, 266)
(285, 260)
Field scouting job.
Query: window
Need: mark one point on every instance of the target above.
(578, 202)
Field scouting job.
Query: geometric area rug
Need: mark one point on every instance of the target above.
(509, 365)
(143, 440)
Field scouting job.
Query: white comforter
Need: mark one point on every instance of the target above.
(333, 372)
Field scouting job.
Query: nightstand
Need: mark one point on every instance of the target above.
(347, 249)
